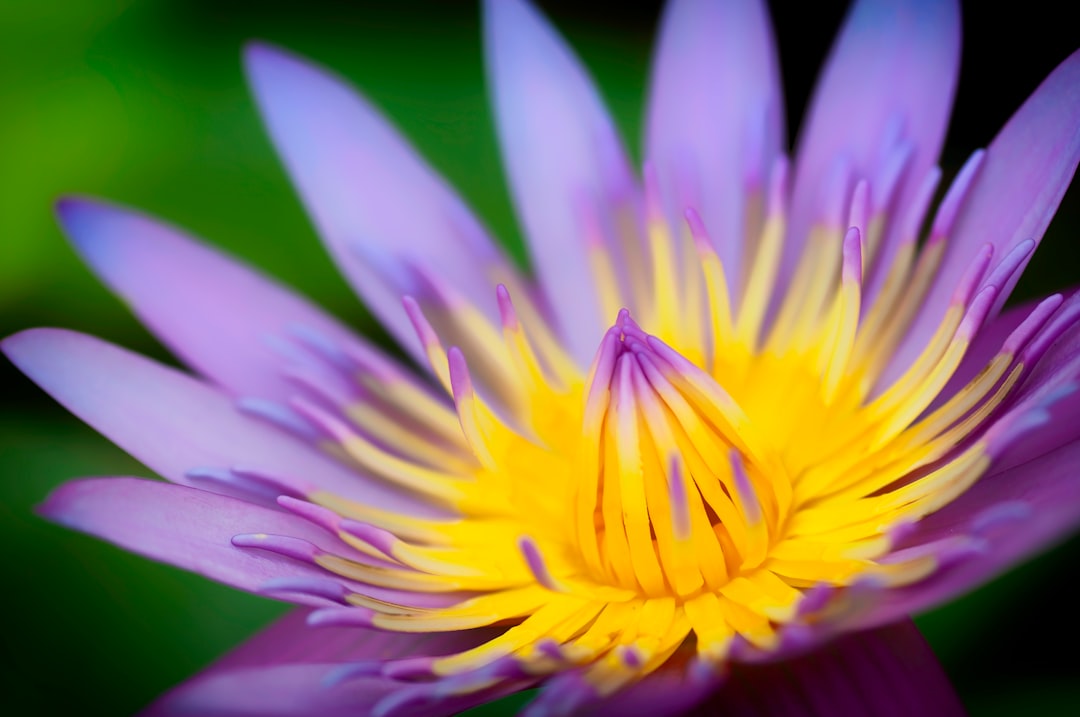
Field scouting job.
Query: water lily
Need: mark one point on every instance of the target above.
(744, 418)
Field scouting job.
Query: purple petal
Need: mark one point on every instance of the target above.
(302, 691)
(291, 639)
(887, 672)
(269, 686)
(1042, 414)
(892, 69)
(670, 690)
(987, 344)
(211, 311)
(1029, 499)
(1010, 515)
(275, 691)
(1024, 175)
(174, 423)
(559, 145)
(188, 528)
(378, 206)
(715, 113)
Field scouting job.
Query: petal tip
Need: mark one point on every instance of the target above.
(495, 11)
(25, 346)
(70, 206)
(73, 212)
(61, 505)
(78, 217)
(53, 507)
(12, 346)
(268, 66)
(512, 22)
(94, 226)
(259, 54)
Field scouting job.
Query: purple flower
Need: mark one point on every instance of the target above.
(742, 423)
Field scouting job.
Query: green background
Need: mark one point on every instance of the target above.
(143, 102)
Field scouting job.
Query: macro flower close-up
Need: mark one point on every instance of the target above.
(748, 406)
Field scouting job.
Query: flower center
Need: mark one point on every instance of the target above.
(700, 480)
(675, 494)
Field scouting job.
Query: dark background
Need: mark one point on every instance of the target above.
(143, 102)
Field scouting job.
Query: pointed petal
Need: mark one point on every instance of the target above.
(173, 422)
(1006, 518)
(188, 528)
(300, 690)
(670, 690)
(1029, 499)
(558, 144)
(893, 68)
(275, 691)
(378, 206)
(1026, 171)
(715, 113)
(887, 672)
(290, 639)
(215, 313)
(317, 653)
(986, 345)
(1045, 413)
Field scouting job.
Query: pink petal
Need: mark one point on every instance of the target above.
(378, 206)
(188, 528)
(893, 67)
(175, 423)
(559, 145)
(715, 118)
(1026, 171)
(215, 313)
